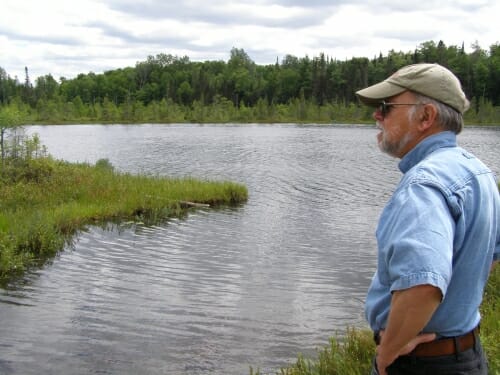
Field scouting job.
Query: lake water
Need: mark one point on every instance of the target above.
(221, 290)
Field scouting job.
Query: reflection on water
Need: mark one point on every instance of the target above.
(223, 289)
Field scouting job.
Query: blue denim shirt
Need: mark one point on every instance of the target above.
(440, 227)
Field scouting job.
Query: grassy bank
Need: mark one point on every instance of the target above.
(351, 353)
(45, 202)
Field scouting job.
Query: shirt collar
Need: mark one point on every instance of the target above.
(426, 147)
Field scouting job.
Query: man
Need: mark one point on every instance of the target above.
(438, 235)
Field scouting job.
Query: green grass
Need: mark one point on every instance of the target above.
(490, 321)
(348, 354)
(45, 202)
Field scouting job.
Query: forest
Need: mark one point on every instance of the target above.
(171, 89)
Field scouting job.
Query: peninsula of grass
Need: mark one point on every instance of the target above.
(45, 202)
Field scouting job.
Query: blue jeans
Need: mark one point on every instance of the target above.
(468, 362)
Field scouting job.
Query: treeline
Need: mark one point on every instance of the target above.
(167, 88)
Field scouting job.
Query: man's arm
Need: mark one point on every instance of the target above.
(411, 310)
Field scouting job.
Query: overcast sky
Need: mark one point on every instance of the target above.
(64, 38)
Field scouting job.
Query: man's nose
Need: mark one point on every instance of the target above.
(378, 116)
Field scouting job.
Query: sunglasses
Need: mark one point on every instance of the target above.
(384, 107)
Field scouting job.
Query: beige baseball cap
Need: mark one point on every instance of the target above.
(432, 80)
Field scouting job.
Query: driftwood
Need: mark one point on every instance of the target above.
(187, 204)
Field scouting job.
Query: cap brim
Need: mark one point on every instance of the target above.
(373, 95)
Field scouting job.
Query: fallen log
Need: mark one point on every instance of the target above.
(187, 204)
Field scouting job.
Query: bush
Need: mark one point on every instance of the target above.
(104, 164)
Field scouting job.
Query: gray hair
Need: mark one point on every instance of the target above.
(447, 117)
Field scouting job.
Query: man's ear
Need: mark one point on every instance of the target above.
(427, 116)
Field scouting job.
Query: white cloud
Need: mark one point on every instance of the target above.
(67, 38)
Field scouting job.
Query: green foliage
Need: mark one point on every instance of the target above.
(490, 321)
(349, 354)
(167, 88)
(104, 164)
(10, 117)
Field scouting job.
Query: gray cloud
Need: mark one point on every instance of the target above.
(126, 31)
(40, 38)
(389, 6)
(409, 36)
(310, 3)
(216, 13)
(333, 42)
(181, 11)
(128, 37)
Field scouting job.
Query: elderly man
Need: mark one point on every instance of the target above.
(438, 235)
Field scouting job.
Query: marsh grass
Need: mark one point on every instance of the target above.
(490, 321)
(44, 202)
(347, 354)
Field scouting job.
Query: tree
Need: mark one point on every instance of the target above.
(185, 93)
(494, 76)
(10, 118)
(46, 87)
(319, 79)
(240, 73)
(240, 59)
(480, 74)
(7, 87)
(27, 93)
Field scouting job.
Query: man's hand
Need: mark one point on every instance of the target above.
(384, 361)
(411, 310)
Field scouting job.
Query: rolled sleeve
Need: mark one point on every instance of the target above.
(423, 278)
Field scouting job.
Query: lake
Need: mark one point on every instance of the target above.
(222, 289)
